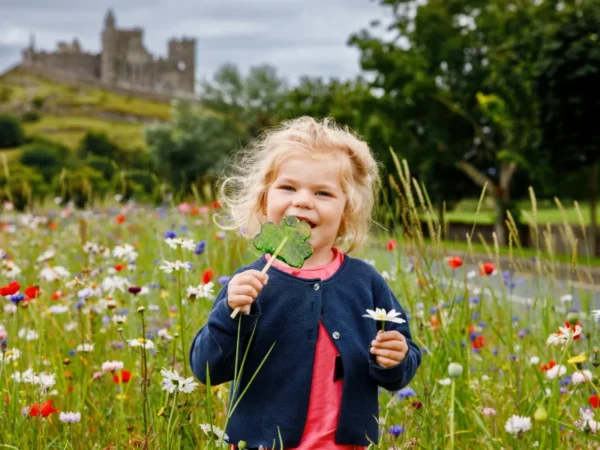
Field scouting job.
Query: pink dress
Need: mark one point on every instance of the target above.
(325, 393)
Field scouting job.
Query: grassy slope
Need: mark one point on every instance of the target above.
(69, 112)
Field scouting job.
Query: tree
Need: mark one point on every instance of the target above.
(194, 144)
(11, 131)
(567, 73)
(442, 79)
(96, 143)
(248, 103)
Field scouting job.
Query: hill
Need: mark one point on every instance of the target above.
(66, 109)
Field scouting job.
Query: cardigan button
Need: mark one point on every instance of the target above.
(316, 286)
(336, 335)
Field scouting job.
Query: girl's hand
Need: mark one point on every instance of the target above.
(390, 348)
(243, 289)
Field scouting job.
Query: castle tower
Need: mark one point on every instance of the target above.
(183, 53)
(108, 64)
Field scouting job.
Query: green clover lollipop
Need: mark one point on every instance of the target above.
(287, 242)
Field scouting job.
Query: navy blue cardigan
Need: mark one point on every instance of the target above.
(287, 313)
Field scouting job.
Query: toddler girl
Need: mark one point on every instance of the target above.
(318, 386)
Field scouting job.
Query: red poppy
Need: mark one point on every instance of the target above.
(391, 244)
(32, 291)
(125, 376)
(207, 276)
(120, 218)
(594, 401)
(478, 342)
(119, 267)
(53, 225)
(216, 204)
(42, 410)
(487, 268)
(454, 262)
(10, 289)
(57, 294)
(548, 366)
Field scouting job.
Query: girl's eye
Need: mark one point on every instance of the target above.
(286, 187)
(325, 193)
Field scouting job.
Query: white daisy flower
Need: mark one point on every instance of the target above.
(187, 244)
(28, 335)
(587, 420)
(85, 348)
(445, 381)
(46, 256)
(556, 371)
(58, 309)
(517, 424)
(69, 417)
(118, 320)
(172, 382)
(170, 267)
(381, 315)
(201, 291)
(141, 342)
(10, 355)
(10, 269)
(112, 366)
(125, 252)
(216, 432)
(581, 377)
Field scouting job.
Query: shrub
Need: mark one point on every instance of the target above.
(30, 116)
(46, 157)
(11, 131)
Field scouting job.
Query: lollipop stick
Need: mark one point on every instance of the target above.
(269, 264)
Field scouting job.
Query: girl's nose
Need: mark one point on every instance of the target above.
(302, 200)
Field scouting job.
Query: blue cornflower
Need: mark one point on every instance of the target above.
(406, 392)
(170, 234)
(16, 298)
(433, 310)
(474, 300)
(396, 430)
(200, 247)
(3, 345)
(223, 279)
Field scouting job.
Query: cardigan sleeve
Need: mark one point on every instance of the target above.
(214, 346)
(397, 377)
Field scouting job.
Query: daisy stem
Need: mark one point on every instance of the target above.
(181, 324)
(452, 394)
(144, 380)
(171, 416)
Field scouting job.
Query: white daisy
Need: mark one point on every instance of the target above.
(141, 342)
(112, 366)
(216, 432)
(381, 315)
(581, 377)
(172, 382)
(170, 267)
(85, 348)
(517, 424)
(69, 417)
(187, 244)
(125, 252)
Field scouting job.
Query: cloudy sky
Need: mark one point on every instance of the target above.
(296, 36)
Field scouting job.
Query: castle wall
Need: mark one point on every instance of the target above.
(80, 64)
(124, 62)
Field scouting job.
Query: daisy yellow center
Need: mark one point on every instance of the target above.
(141, 340)
(381, 316)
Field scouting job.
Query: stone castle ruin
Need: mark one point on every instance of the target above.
(124, 62)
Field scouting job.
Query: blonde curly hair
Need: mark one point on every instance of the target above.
(243, 194)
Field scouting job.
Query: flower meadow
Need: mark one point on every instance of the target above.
(99, 308)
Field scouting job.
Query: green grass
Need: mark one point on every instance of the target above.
(547, 212)
(70, 129)
(69, 112)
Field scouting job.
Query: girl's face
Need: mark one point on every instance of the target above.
(311, 190)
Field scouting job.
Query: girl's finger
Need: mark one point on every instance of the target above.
(391, 345)
(386, 362)
(389, 354)
(242, 300)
